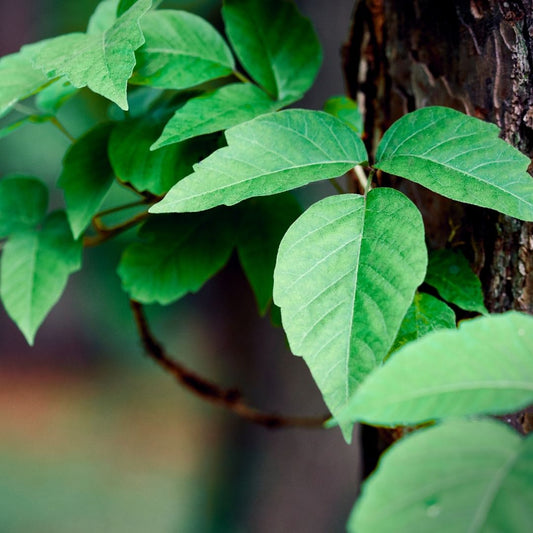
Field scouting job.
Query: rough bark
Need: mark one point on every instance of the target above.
(475, 56)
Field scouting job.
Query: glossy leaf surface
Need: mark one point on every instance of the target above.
(101, 61)
(215, 111)
(450, 273)
(86, 177)
(273, 153)
(344, 279)
(35, 269)
(484, 367)
(181, 50)
(275, 44)
(465, 477)
(459, 157)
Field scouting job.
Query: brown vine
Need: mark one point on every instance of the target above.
(230, 399)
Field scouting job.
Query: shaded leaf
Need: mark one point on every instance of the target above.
(181, 50)
(86, 177)
(262, 224)
(23, 203)
(35, 269)
(460, 157)
(275, 44)
(177, 255)
(463, 476)
(156, 172)
(485, 366)
(344, 279)
(347, 110)
(104, 17)
(425, 315)
(101, 61)
(218, 110)
(28, 119)
(450, 273)
(51, 98)
(270, 154)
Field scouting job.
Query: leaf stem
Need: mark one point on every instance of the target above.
(104, 234)
(337, 186)
(207, 390)
(241, 77)
(368, 185)
(62, 129)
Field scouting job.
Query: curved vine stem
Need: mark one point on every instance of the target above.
(229, 398)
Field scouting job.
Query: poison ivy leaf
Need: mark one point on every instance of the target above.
(346, 109)
(450, 273)
(104, 17)
(483, 367)
(101, 61)
(275, 44)
(262, 224)
(463, 476)
(35, 268)
(344, 279)
(51, 98)
(23, 203)
(181, 50)
(156, 172)
(177, 255)
(270, 154)
(28, 119)
(425, 315)
(86, 177)
(460, 157)
(218, 110)
(18, 78)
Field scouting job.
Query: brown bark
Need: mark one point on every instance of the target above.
(475, 56)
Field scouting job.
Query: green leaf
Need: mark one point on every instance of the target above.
(101, 61)
(181, 50)
(86, 177)
(104, 17)
(275, 44)
(28, 119)
(463, 477)
(344, 279)
(270, 154)
(483, 367)
(218, 110)
(18, 78)
(450, 273)
(156, 172)
(425, 315)
(52, 97)
(35, 269)
(262, 224)
(460, 157)
(347, 110)
(177, 255)
(23, 203)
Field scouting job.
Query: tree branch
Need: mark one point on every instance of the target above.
(229, 398)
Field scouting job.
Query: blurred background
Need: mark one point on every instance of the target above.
(95, 437)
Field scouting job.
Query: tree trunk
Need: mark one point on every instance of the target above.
(475, 56)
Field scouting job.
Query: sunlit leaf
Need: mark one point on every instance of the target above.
(483, 367)
(36, 265)
(450, 273)
(275, 44)
(104, 17)
(425, 315)
(273, 153)
(344, 279)
(176, 255)
(465, 477)
(86, 177)
(181, 50)
(101, 61)
(218, 110)
(347, 110)
(23, 203)
(460, 157)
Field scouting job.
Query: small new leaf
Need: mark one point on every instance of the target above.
(459, 157)
(273, 153)
(36, 265)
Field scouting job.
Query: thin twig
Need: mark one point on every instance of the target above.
(104, 234)
(62, 129)
(229, 398)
